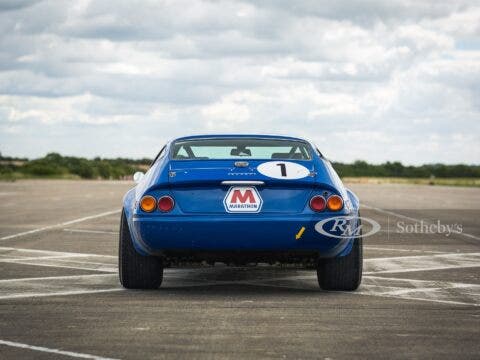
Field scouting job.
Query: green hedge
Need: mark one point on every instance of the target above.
(397, 169)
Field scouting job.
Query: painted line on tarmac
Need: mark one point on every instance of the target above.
(59, 225)
(91, 231)
(77, 261)
(440, 292)
(434, 256)
(52, 351)
(448, 302)
(7, 259)
(60, 293)
(407, 289)
(388, 212)
(404, 264)
(8, 193)
(9, 250)
(368, 247)
(111, 269)
(423, 290)
(404, 289)
(58, 285)
(396, 288)
(54, 277)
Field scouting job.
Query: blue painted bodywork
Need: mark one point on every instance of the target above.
(199, 221)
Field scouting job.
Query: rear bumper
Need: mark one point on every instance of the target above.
(157, 235)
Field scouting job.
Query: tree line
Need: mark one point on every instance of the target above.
(55, 165)
(397, 169)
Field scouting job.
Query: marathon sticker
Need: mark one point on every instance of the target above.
(242, 199)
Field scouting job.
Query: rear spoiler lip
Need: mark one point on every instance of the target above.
(243, 182)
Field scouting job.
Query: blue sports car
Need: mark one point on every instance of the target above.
(238, 200)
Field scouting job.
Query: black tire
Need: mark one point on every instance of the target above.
(342, 273)
(136, 271)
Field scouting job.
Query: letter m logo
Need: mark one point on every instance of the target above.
(247, 196)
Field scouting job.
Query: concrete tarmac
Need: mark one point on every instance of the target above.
(60, 296)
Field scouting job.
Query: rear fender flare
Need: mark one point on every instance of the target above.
(354, 199)
(128, 208)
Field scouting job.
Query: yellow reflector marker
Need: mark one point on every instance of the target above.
(300, 233)
(335, 203)
(148, 203)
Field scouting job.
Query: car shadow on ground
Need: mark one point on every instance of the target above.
(235, 281)
(228, 291)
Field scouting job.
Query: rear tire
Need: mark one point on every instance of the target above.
(342, 273)
(136, 271)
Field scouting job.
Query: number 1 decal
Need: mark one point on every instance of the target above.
(283, 169)
(288, 170)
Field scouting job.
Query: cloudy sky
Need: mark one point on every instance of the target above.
(375, 80)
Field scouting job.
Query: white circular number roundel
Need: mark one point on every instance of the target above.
(283, 170)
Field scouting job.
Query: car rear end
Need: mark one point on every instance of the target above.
(240, 198)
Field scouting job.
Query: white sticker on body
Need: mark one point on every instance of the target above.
(283, 170)
(242, 199)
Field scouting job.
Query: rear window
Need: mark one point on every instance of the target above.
(244, 148)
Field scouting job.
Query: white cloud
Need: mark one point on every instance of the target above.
(377, 80)
(225, 111)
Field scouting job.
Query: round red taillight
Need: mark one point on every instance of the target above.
(165, 204)
(318, 203)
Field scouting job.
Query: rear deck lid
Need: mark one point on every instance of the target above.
(219, 187)
(270, 172)
(218, 175)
